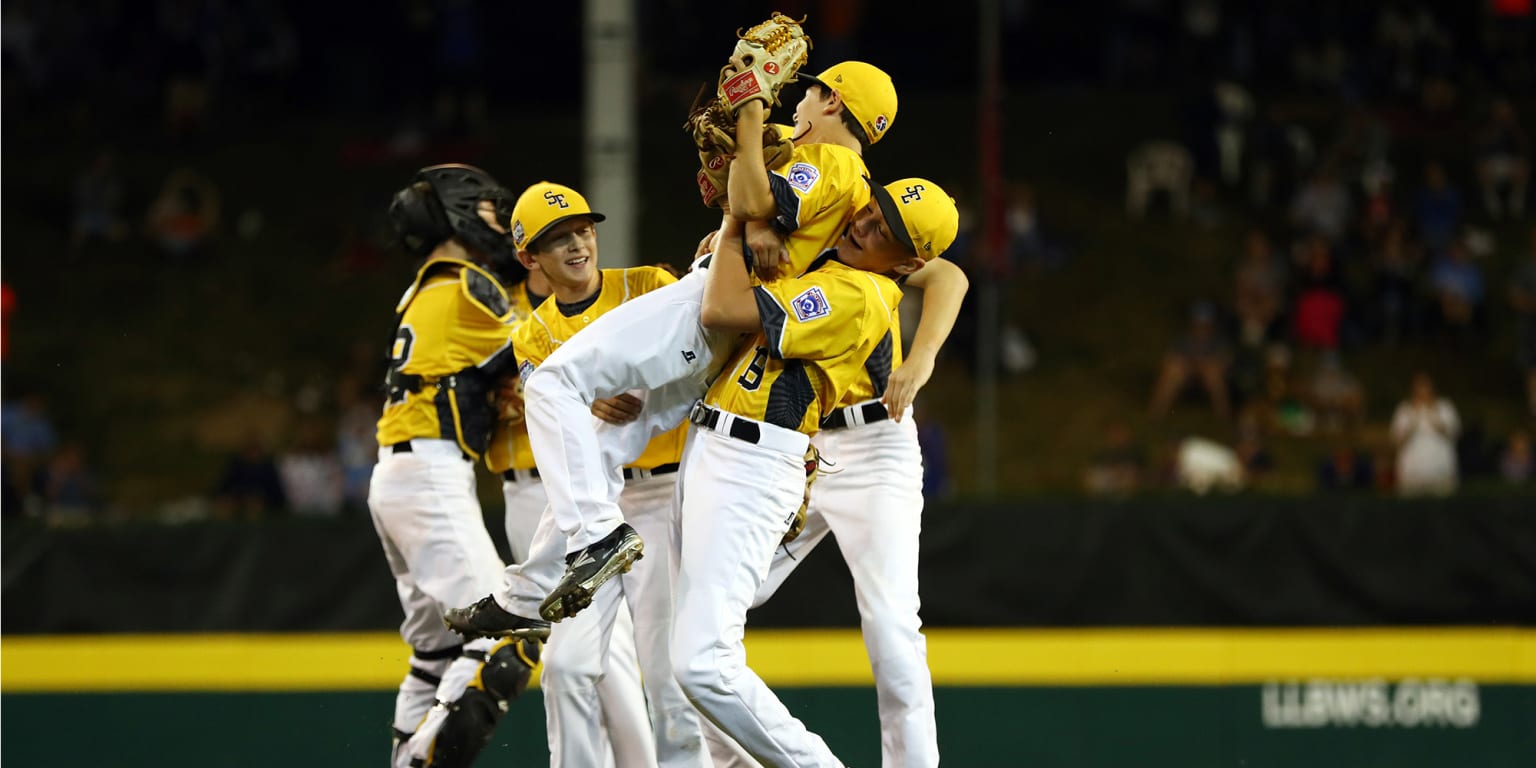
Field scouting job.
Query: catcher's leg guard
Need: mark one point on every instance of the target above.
(418, 692)
(462, 721)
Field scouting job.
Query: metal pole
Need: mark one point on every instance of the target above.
(992, 244)
(611, 132)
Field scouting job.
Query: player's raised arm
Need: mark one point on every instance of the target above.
(943, 284)
(729, 304)
(751, 198)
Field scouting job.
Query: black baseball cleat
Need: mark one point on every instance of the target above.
(487, 619)
(589, 568)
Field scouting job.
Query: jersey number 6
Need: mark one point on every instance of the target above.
(752, 378)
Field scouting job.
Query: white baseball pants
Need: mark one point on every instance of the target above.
(737, 502)
(604, 700)
(652, 343)
(870, 496)
(424, 508)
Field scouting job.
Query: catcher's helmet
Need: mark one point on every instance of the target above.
(443, 201)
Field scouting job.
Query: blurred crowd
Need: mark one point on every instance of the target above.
(1381, 233)
(1376, 156)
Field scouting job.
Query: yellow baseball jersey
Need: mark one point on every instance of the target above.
(509, 443)
(882, 360)
(819, 330)
(818, 191)
(553, 324)
(453, 323)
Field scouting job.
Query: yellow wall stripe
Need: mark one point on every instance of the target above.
(958, 657)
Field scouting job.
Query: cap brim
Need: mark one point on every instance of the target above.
(589, 215)
(892, 214)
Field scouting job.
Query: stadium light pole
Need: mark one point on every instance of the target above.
(611, 134)
(992, 242)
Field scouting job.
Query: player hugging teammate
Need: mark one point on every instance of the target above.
(783, 336)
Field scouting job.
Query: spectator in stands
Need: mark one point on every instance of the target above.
(1518, 464)
(311, 473)
(1438, 209)
(1345, 469)
(1522, 297)
(1424, 429)
(98, 212)
(68, 488)
(1253, 450)
(1117, 468)
(1259, 291)
(1322, 206)
(1395, 264)
(183, 217)
(1201, 356)
(1503, 161)
(1335, 395)
(1028, 245)
(188, 47)
(1458, 288)
(250, 488)
(1319, 308)
(937, 483)
(29, 439)
(356, 446)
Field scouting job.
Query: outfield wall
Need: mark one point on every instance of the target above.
(1164, 632)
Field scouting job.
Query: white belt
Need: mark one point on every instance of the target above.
(769, 436)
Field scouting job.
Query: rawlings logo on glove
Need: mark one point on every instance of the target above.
(772, 53)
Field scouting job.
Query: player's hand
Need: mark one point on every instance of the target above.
(618, 410)
(905, 382)
(509, 399)
(707, 245)
(769, 256)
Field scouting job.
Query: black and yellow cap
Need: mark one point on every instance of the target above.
(920, 213)
(544, 205)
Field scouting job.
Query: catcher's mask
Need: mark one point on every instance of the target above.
(443, 201)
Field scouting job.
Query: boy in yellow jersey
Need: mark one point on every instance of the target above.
(560, 242)
(451, 346)
(743, 476)
(626, 727)
(873, 502)
(657, 345)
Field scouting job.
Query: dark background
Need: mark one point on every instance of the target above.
(195, 324)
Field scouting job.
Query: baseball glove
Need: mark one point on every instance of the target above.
(715, 163)
(771, 54)
(797, 525)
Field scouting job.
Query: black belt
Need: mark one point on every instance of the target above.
(872, 413)
(511, 474)
(741, 429)
(664, 469)
(405, 447)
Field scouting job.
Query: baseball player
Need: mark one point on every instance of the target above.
(657, 344)
(625, 728)
(743, 476)
(450, 347)
(554, 228)
(871, 498)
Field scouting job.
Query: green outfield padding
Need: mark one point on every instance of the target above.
(1144, 727)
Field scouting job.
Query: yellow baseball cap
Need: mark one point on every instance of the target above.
(544, 205)
(920, 213)
(868, 93)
